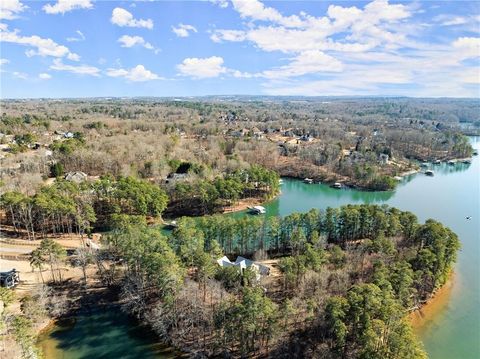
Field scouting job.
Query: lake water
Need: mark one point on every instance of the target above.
(101, 333)
(449, 197)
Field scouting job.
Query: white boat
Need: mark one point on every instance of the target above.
(257, 210)
(429, 173)
(467, 162)
(308, 180)
(424, 164)
(170, 225)
(337, 185)
(451, 162)
(397, 178)
(437, 162)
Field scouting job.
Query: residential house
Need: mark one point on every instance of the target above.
(173, 177)
(244, 263)
(306, 138)
(10, 278)
(255, 132)
(76, 176)
(383, 158)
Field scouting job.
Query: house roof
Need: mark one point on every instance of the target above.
(243, 263)
(76, 175)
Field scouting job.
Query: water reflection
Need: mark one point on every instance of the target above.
(104, 333)
(450, 196)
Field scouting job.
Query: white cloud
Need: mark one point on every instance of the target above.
(20, 75)
(349, 50)
(4, 62)
(44, 76)
(183, 30)
(9, 9)
(467, 47)
(137, 74)
(73, 57)
(41, 46)
(122, 17)
(470, 76)
(436, 72)
(465, 22)
(130, 41)
(308, 62)
(228, 35)
(361, 29)
(255, 10)
(201, 68)
(58, 65)
(63, 6)
(81, 37)
(367, 81)
(222, 3)
(450, 20)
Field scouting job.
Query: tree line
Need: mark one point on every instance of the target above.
(349, 277)
(70, 207)
(203, 196)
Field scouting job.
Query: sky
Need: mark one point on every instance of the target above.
(86, 48)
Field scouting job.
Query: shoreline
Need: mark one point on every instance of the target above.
(44, 327)
(408, 173)
(243, 204)
(421, 317)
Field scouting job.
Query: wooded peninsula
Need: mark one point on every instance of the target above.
(143, 185)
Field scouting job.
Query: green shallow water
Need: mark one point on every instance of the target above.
(101, 333)
(450, 196)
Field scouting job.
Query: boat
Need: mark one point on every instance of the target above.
(257, 210)
(469, 217)
(170, 225)
(467, 162)
(397, 178)
(280, 181)
(424, 164)
(475, 153)
(429, 172)
(437, 162)
(308, 180)
(451, 162)
(337, 185)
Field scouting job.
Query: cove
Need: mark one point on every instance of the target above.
(449, 197)
(101, 333)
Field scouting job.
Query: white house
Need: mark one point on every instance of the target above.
(76, 176)
(243, 263)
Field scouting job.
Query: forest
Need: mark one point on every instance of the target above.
(70, 207)
(359, 142)
(342, 281)
(348, 278)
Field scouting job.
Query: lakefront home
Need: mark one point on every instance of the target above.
(76, 176)
(9, 279)
(243, 263)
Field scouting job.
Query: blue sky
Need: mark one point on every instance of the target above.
(86, 48)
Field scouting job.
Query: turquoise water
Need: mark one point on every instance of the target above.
(102, 333)
(450, 196)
